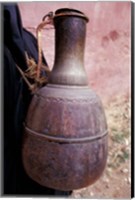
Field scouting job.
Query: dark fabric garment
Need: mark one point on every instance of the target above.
(17, 98)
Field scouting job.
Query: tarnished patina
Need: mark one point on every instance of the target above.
(65, 137)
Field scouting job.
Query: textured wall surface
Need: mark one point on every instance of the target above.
(108, 42)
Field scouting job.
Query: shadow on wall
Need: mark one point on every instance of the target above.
(107, 52)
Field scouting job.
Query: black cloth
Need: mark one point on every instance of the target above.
(17, 98)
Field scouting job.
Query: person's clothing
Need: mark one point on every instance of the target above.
(17, 98)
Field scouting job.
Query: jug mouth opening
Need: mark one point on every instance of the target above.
(70, 12)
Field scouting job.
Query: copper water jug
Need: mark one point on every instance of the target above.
(65, 137)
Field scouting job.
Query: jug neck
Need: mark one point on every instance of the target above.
(70, 32)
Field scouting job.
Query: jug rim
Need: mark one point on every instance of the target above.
(67, 10)
(70, 12)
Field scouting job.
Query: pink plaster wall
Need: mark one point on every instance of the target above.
(107, 52)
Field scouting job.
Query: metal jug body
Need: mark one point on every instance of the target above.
(65, 137)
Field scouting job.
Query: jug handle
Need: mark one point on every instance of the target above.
(47, 19)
